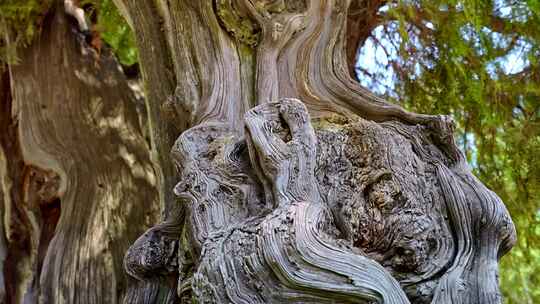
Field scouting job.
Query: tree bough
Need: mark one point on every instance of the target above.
(296, 184)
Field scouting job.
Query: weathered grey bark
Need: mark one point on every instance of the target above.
(297, 185)
(77, 184)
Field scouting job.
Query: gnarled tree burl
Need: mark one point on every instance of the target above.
(296, 185)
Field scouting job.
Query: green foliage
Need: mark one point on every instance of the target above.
(113, 29)
(19, 23)
(479, 61)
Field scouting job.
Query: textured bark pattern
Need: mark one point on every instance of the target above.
(171, 87)
(299, 186)
(346, 212)
(80, 186)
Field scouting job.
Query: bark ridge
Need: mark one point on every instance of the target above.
(325, 210)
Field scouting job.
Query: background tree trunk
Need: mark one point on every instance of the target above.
(297, 184)
(77, 185)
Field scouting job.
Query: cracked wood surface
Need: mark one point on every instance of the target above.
(327, 210)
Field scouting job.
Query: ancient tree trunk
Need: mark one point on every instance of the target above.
(77, 183)
(296, 185)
